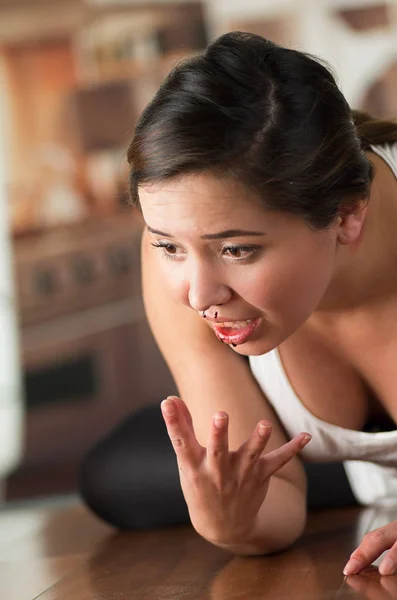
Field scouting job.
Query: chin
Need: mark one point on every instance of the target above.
(256, 348)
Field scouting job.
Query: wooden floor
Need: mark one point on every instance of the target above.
(68, 554)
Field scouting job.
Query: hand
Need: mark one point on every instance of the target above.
(370, 585)
(224, 490)
(373, 545)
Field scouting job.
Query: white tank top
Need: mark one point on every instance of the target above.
(370, 459)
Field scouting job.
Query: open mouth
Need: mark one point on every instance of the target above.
(236, 332)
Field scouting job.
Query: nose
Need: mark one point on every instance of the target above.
(206, 288)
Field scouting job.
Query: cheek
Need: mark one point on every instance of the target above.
(175, 282)
(306, 283)
(293, 287)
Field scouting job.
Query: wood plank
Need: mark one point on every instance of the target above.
(54, 554)
(26, 580)
(40, 545)
(143, 565)
(310, 570)
(51, 533)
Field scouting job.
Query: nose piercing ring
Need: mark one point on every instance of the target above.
(205, 316)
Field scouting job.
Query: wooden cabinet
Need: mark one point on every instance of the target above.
(88, 355)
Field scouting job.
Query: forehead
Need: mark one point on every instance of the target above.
(201, 198)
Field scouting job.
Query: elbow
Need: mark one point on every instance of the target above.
(275, 532)
(268, 546)
(266, 543)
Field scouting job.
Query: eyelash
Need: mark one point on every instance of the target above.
(167, 256)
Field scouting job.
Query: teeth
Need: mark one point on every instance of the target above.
(235, 324)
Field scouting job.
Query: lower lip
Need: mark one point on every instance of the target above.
(235, 336)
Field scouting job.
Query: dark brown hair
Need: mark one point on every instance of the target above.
(271, 117)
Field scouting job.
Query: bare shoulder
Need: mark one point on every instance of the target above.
(210, 376)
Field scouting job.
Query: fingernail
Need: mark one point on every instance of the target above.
(351, 568)
(387, 567)
(168, 407)
(306, 439)
(220, 420)
(264, 429)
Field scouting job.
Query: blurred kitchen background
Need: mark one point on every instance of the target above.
(76, 351)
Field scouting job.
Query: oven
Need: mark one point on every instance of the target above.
(88, 355)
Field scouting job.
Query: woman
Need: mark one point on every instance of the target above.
(270, 210)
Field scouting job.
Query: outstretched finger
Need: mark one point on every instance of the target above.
(275, 460)
(182, 407)
(251, 450)
(187, 448)
(218, 442)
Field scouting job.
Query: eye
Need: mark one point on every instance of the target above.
(168, 251)
(240, 252)
(170, 248)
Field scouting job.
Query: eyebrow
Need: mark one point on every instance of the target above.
(214, 236)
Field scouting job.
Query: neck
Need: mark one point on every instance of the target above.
(364, 270)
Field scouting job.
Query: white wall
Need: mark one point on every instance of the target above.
(356, 57)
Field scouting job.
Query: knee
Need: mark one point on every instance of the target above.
(95, 484)
(130, 478)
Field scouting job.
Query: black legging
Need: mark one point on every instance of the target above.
(130, 478)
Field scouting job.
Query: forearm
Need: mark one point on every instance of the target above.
(280, 521)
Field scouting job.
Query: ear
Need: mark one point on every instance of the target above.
(350, 225)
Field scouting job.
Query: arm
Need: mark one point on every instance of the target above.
(205, 368)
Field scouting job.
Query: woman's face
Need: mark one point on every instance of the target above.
(222, 252)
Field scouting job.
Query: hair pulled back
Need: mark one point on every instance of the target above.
(272, 118)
